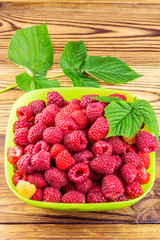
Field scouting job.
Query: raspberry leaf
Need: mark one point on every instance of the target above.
(107, 99)
(108, 69)
(27, 83)
(31, 48)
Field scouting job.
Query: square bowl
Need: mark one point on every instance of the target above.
(68, 94)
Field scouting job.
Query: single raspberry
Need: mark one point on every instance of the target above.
(95, 195)
(24, 164)
(80, 118)
(47, 116)
(22, 123)
(51, 194)
(112, 187)
(55, 98)
(75, 102)
(83, 157)
(84, 187)
(25, 112)
(117, 145)
(146, 142)
(78, 173)
(29, 149)
(144, 160)
(64, 161)
(25, 189)
(128, 172)
(94, 176)
(134, 190)
(73, 197)
(70, 186)
(103, 164)
(131, 157)
(142, 176)
(37, 178)
(39, 146)
(18, 175)
(14, 154)
(94, 110)
(56, 149)
(38, 195)
(129, 148)
(123, 97)
(123, 198)
(52, 135)
(69, 109)
(35, 133)
(65, 123)
(131, 140)
(102, 147)
(75, 141)
(56, 178)
(99, 129)
(85, 99)
(41, 160)
(119, 162)
(37, 106)
(20, 137)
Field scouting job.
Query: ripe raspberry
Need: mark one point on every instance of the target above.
(55, 98)
(94, 110)
(102, 147)
(69, 109)
(112, 187)
(75, 102)
(19, 176)
(29, 149)
(47, 117)
(51, 195)
(21, 123)
(64, 161)
(129, 148)
(122, 198)
(56, 178)
(14, 154)
(78, 173)
(99, 129)
(37, 106)
(144, 160)
(85, 186)
(142, 176)
(39, 146)
(132, 158)
(38, 195)
(103, 164)
(24, 164)
(94, 176)
(119, 162)
(20, 137)
(75, 141)
(85, 99)
(52, 135)
(37, 178)
(134, 190)
(70, 186)
(123, 97)
(83, 157)
(25, 189)
(65, 123)
(41, 160)
(80, 118)
(117, 145)
(25, 112)
(128, 172)
(146, 142)
(95, 194)
(131, 140)
(73, 197)
(35, 133)
(56, 149)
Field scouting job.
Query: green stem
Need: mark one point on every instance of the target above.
(8, 88)
(54, 76)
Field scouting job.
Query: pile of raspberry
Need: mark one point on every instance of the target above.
(62, 153)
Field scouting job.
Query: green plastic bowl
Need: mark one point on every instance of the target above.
(68, 94)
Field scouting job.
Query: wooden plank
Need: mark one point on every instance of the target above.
(71, 2)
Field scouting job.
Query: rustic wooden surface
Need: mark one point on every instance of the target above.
(129, 30)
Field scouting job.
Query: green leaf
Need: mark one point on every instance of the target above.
(123, 119)
(108, 69)
(80, 80)
(31, 49)
(107, 99)
(27, 83)
(73, 55)
(148, 114)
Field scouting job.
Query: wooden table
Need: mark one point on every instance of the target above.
(129, 30)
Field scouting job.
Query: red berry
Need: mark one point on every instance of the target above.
(29, 148)
(25, 112)
(78, 173)
(70, 186)
(47, 117)
(131, 157)
(18, 175)
(121, 198)
(39, 146)
(75, 141)
(37, 178)
(119, 162)
(37, 106)
(73, 197)
(38, 195)
(94, 110)
(20, 137)
(86, 99)
(14, 154)
(102, 147)
(99, 129)
(144, 160)
(142, 176)
(21, 123)
(24, 164)
(117, 145)
(41, 160)
(35, 133)
(134, 190)
(69, 109)
(64, 161)
(128, 172)
(56, 149)
(95, 194)
(85, 186)
(52, 135)
(83, 157)
(80, 118)
(55, 98)
(103, 164)
(146, 142)
(56, 178)
(75, 102)
(94, 176)
(123, 97)
(65, 123)
(51, 195)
